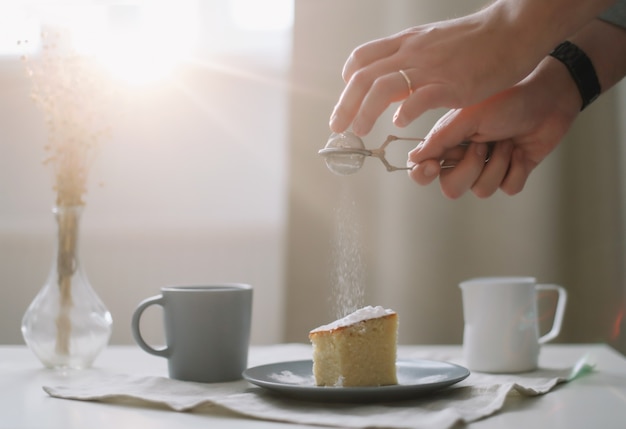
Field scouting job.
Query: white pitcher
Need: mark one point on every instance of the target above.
(501, 332)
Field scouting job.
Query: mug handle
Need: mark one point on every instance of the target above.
(558, 315)
(155, 300)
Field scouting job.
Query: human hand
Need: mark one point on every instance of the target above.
(452, 64)
(526, 122)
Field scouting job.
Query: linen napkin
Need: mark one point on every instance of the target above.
(477, 397)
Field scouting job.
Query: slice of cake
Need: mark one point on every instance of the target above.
(357, 350)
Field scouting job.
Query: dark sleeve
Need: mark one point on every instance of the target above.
(615, 14)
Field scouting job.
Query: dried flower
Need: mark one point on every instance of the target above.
(72, 92)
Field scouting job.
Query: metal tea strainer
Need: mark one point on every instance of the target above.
(345, 153)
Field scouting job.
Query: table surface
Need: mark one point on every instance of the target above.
(597, 400)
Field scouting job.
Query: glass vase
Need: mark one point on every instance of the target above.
(67, 325)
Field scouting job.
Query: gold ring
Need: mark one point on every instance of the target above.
(408, 81)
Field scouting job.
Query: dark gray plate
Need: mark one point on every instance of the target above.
(416, 377)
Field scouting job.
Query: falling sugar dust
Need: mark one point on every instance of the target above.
(347, 279)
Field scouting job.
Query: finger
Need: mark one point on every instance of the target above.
(518, 173)
(369, 53)
(425, 173)
(359, 85)
(425, 97)
(453, 156)
(458, 180)
(348, 105)
(450, 130)
(494, 170)
(385, 90)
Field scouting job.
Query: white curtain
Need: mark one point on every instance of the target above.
(414, 245)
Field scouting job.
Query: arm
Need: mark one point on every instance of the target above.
(527, 121)
(452, 63)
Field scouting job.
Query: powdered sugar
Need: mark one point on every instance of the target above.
(288, 377)
(348, 267)
(361, 314)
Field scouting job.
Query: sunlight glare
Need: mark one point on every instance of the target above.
(140, 43)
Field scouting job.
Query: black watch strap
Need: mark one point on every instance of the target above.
(582, 70)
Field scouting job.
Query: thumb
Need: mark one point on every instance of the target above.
(451, 129)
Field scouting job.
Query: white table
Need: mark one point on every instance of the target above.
(596, 401)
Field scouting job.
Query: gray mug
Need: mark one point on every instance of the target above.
(207, 330)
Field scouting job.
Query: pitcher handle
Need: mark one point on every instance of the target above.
(559, 312)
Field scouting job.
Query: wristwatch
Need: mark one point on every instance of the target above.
(581, 69)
